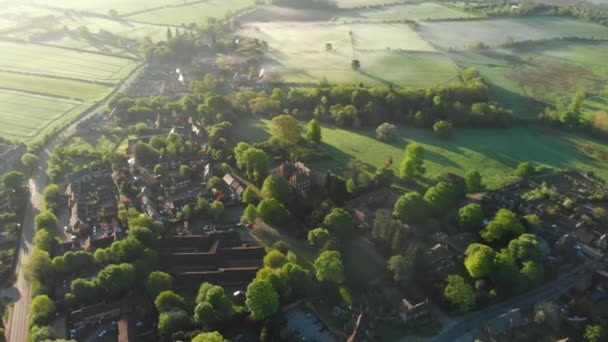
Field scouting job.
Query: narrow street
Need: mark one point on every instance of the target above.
(17, 331)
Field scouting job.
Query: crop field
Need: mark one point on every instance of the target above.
(196, 12)
(24, 116)
(495, 158)
(103, 6)
(38, 59)
(463, 34)
(299, 54)
(418, 11)
(82, 91)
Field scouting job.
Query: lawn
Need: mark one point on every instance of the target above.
(494, 32)
(593, 105)
(298, 54)
(417, 11)
(193, 13)
(83, 91)
(495, 153)
(24, 117)
(38, 59)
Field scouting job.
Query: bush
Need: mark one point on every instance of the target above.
(443, 129)
(386, 132)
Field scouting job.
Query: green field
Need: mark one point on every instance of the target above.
(31, 58)
(495, 153)
(193, 13)
(363, 3)
(298, 54)
(418, 11)
(592, 106)
(24, 117)
(103, 6)
(54, 87)
(494, 32)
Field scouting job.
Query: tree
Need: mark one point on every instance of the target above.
(217, 210)
(313, 132)
(169, 300)
(14, 180)
(411, 166)
(47, 220)
(328, 46)
(458, 293)
(29, 161)
(533, 273)
(318, 237)
(274, 259)
(386, 132)
(526, 248)
(250, 214)
(505, 272)
(250, 196)
(411, 208)
(262, 299)
(253, 161)
(184, 170)
(158, 282)
(479, 260)
(42, 310)
(384, 176)
(116, 279)
(402, 268)
(44, 241)
(204, 314)
(85, 290)
(285, 129)
(38, 265)
(355, 64)
(41, 333)
(276, 187)
(441, 197)
(329, 267)
(272, 212)
(339, 222)
(505, 222)
(213, 336)
(595, 333)
(443, 129)
(145, 154)
(52, 197)
(296, 278)
(173, 321)
(473, 181)
(470, 217)
(524, 170)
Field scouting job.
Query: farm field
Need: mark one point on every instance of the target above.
(298, 54)
(195, 12)
(495, 158)
(362, 3)
(83, 91)
(544, 72)
(494, 32)
(418, 11)
(25, 117)
(103, 6)
(38, 59)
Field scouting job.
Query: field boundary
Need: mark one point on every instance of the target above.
(57, 77)
(43, 94)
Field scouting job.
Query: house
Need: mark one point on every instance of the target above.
(234, 184)
(298, 176)
(419, 313)
(504, 323)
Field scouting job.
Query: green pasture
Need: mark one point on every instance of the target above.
(103, 6)
(196, 12)
(298, 54)
(593, 105)
(84, 91)
(24, 116)
(417, 11)
(38, 59)
(363, 3)
(495, 153)
(494, 32)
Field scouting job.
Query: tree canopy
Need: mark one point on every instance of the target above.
(526, 248)
(458, 293)
(213, 336)
(42, 309)
(276, 187)
(272, 212)
(253, 161)
(411, 166)
(157, 282)
(470, 217)
(313, 131)
(411, 208)
(14, 180)
(339, 222)
(479, 260)
(329, 267)
(116, 279)
(524, 170)
(169, 300)
(318, 237)
(504, 223)
(262, 299)
(443, 129)
(274, 259)
(285, 129)
(473, 181)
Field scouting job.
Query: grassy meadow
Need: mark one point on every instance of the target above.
(494, 32)
(416, 11)
(196, 12)
(494, 152)
(83, 91)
